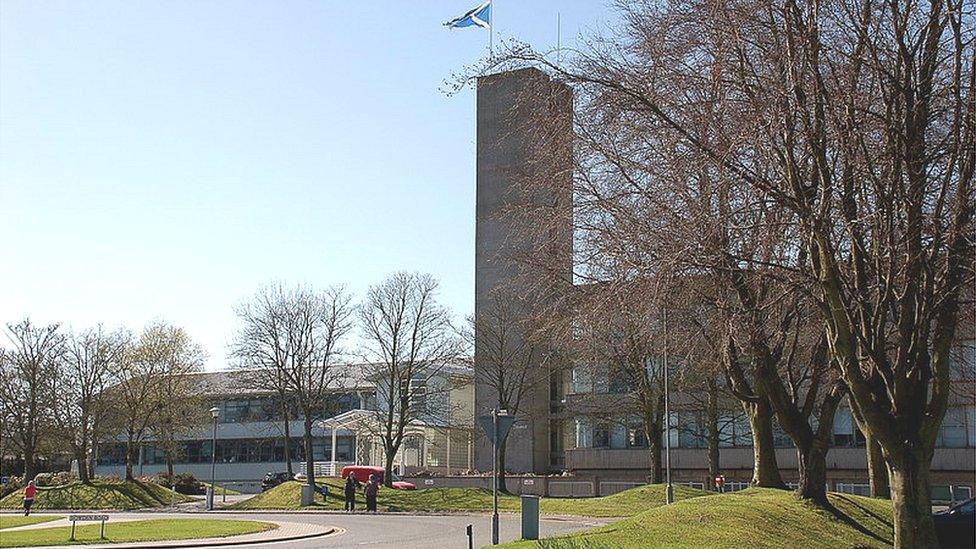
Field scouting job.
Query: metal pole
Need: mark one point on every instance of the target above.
(494, 476)
(213, 466)
(669, 497)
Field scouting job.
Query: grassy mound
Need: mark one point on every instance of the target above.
(140, 530)
(757, 517)
(99, 494)
(627, 503)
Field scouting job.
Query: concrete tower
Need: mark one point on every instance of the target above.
(510, 105)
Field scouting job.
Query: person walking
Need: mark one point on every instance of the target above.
(372, 488)
(29, 492)
(352, 486)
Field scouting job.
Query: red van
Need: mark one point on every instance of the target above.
(362, 472)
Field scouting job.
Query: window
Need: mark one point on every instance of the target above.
(734, 430)
(111, 454)
(953, 432)
(235, 411)
(636, 437)
(691, 431)
(601, 436)
(418, 395)
(846, 433)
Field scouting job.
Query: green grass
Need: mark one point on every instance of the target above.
(13, 521)
(753, 518)
(627, 503)
(221, 490)
(140, 530)
(99, 494)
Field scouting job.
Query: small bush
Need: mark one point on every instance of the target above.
(13, 484)
(47, 480)
(185, 483)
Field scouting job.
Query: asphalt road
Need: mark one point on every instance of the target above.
(413, 532)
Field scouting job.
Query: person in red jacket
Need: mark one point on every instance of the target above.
(29, 494)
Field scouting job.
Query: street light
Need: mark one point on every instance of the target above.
(214, 413)
(669, 492)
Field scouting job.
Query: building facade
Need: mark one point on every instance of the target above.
(251, 437)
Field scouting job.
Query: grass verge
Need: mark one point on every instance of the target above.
(133, 531)
(222, 490)
(757, 517)
(99, 494)
(627, 503)
(13, 521)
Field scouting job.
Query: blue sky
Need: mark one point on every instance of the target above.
(161, 160)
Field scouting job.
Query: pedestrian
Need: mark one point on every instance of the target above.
(352, 486)
(29, 494)
(372, 487)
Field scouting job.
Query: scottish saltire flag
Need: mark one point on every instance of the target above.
(478, 17)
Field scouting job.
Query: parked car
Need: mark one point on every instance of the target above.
(956, 526)
(273, 479)
(362, 472)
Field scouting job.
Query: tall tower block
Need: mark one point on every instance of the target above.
(510, 107)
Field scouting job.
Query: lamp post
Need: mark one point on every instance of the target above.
(669, 493)
(214, 413)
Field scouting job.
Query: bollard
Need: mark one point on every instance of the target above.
(530, 517)
(470, 533)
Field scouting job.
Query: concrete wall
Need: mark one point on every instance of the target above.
(509, 106)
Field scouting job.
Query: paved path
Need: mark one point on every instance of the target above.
(378, 531)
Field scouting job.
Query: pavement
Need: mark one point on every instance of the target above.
(338, 530)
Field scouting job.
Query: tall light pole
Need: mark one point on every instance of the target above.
(494, 475)
(214, 413)
(669, 494)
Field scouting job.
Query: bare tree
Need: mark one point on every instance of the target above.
(26, 396)
(408, 342)
(81, 408)
(260, 347)
(508, 362)
(294, 336)
(857, 120)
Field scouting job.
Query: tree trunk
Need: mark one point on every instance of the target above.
(30, 465)
(82, 458)
(654, 446)
(284, 414)
(502, 486)
(169, 464)
(388, 466)
(712, 437)
(877, 468)
(765, 471)
(910, 499)
(309, 457)
(129, 459)
(812, 465)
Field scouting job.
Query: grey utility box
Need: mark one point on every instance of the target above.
(530, 517)
(308, 495)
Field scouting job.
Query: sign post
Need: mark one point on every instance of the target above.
(496, 426)
(89, 518)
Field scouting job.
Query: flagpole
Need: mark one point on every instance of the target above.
(559, 39)
(491, 32)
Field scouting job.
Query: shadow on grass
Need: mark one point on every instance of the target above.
(848, 520)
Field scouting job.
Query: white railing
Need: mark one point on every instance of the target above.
(330, 468)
